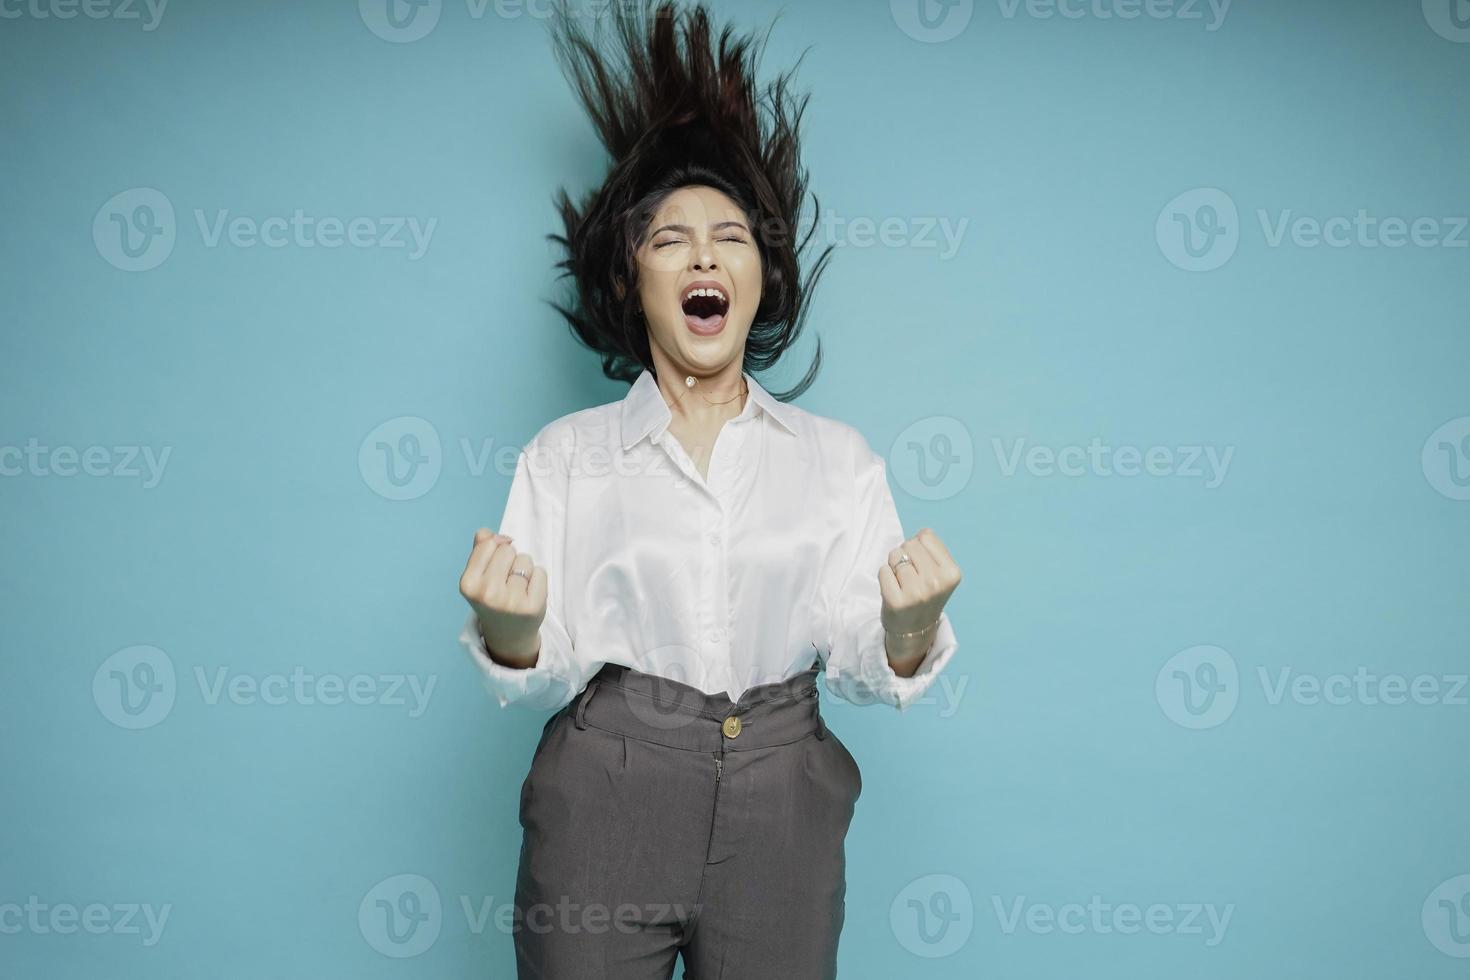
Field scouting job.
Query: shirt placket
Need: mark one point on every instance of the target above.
(713, 616)
(716, 618)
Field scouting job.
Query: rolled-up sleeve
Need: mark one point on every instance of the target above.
(857, 661)
(535, 518)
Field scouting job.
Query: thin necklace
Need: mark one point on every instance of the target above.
(689, 381)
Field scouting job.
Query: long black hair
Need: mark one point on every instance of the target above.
(674, 107)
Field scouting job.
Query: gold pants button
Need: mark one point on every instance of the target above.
(731, 726)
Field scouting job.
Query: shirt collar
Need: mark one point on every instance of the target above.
(644, 409)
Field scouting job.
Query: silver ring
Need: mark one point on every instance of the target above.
(522, 573)
(903, 556)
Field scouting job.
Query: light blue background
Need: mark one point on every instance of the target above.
(1056, 774)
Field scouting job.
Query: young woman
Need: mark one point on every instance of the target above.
(673, 569)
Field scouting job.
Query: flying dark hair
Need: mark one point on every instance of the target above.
(674, 114)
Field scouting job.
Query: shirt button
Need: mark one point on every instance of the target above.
(714, 537)
(731, 726)
(714, 636)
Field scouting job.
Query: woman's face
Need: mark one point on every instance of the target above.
(699, 279)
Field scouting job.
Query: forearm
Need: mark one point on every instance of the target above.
(512, 657)
(906, 650)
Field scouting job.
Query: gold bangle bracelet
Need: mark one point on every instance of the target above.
(916, 632)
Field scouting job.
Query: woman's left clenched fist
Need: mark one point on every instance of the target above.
(918, 580)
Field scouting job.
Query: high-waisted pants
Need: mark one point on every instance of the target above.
(659, 821)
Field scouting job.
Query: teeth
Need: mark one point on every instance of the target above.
(707, 292)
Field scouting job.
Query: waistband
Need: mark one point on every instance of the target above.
(658, 709)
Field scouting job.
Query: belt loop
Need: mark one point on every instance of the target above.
(813, 693)
(579, 718)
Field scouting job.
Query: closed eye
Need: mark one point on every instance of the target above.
(680, 241)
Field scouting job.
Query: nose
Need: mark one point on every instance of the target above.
(704, 257)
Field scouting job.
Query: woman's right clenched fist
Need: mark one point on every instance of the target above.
(507, 591)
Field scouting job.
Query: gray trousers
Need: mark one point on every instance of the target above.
(660, 822)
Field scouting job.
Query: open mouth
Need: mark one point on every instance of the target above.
(705, 306)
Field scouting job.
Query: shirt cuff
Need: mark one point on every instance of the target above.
(536, 685)
(877, 676)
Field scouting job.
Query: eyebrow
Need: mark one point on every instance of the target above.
(688, 230)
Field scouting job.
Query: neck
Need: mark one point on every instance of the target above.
(714, 396)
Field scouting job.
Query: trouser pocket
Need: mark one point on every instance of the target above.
(537, 757)
(848, 764)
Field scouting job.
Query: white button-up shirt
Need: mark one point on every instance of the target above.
(747, 577)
